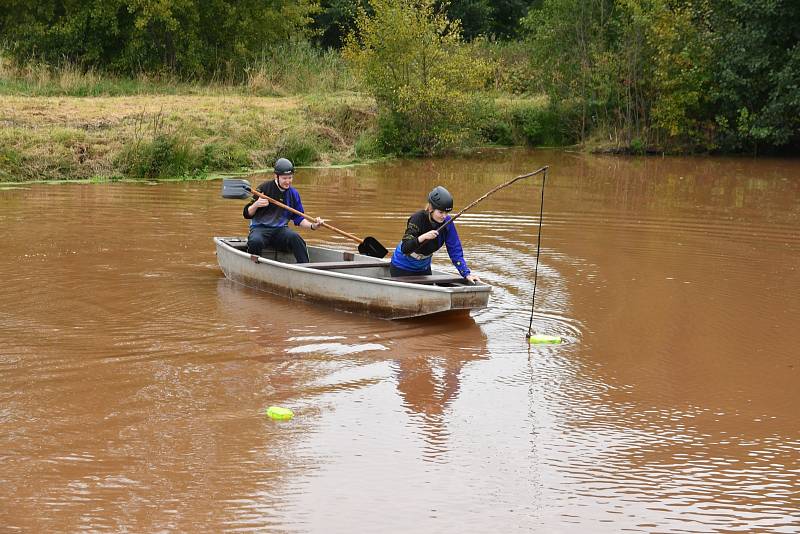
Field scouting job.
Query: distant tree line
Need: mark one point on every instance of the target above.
(190, 38)
(495, 19)
(202, 38)
(667, 74)
(640, 75)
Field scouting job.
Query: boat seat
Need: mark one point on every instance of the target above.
(428, 279)
(334, 265)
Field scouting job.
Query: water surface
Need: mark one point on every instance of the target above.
(135, 376)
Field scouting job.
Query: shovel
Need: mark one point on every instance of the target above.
(236, 188)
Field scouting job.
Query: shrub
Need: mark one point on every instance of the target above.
(530, 121)
(534, 126)
(300, 149)
(367, 146)
(490, 124)
(165, 156)
(11, 163)
(296, 67)
(413, 61)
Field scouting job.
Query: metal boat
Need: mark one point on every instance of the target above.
(348, 281)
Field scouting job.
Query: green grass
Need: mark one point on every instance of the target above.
(291, 68)
(160, 137)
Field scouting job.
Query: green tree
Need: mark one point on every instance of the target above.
(635, 72)
(335, 20)
(572, 46)
(422, 75)
(507, 15)
(56, 30)
(476, 16)
(680, 40)
(757, 73)
(187, 37)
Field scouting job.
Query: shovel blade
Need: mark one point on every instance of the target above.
(372, 247)
(236, 188)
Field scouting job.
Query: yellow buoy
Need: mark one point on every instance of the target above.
(543, 339)
(281, 414)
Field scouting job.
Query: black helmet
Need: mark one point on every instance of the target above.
(283, 166)
(440, 198)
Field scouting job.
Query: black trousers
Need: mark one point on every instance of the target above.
(282, 238)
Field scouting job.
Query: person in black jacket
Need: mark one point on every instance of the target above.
(423, 237)
(269, 224)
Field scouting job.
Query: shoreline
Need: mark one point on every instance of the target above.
(214, 175)
(177, 137)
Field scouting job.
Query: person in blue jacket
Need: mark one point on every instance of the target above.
(422, 238)
(269, 224)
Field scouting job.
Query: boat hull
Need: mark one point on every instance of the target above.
(364, 289)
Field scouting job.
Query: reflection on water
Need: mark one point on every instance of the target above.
(135, 376)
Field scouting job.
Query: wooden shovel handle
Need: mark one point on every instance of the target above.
(300, 213)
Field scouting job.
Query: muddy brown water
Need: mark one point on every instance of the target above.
(134, 376)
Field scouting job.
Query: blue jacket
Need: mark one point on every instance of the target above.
(412, 256)
(272, 216)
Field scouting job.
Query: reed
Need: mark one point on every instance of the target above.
(291, 68)
(297, 67)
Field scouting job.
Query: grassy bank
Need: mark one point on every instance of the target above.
(169, 136)
(158, 136)
(65, 123)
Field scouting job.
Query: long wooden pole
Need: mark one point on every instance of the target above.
(496, 189)
(308, 217)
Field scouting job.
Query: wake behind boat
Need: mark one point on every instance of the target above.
(348, 281)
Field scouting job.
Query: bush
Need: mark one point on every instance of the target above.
(489, 123)
(531, 121)
(426, 122)
(413, 61)
(300, 149)
(367, 146)
(11, 163)
(538, 127)
(497, 131)
(512, 71)
(166, 156)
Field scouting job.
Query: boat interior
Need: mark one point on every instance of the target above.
(326, 259)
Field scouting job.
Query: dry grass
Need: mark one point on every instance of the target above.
(88, 113)
(78, 138)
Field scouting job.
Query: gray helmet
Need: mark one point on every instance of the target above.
(283, 166)
(440, 198)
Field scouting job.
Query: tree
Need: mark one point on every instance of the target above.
(490, 18)
(191, 38)
(335, 20)
(573, 46)
(757, 74)
(680, 40)
(638, 72)
(412, 59)
(507, 16)
(476, 16)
